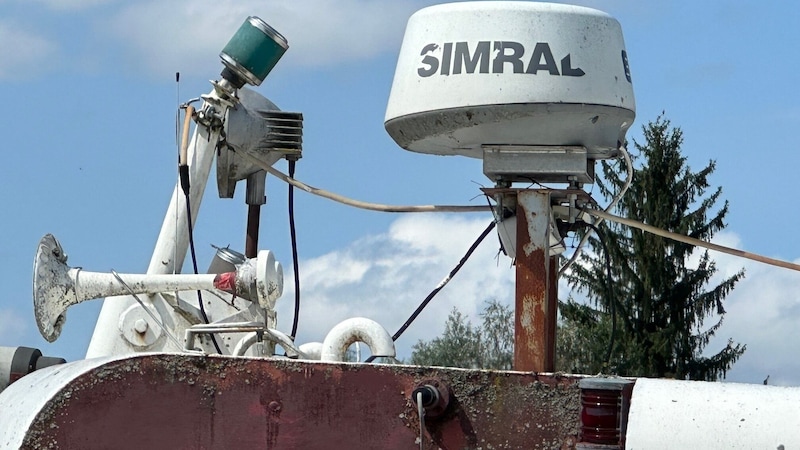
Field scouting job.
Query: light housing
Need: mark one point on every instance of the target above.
(252, 53)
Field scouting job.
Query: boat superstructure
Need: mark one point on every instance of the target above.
(537, 92)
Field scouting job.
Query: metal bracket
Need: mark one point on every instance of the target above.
(536, 163)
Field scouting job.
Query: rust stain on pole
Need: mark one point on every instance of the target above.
(552, 313)
(534, 317)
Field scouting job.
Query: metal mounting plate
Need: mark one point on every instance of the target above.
(534, 163)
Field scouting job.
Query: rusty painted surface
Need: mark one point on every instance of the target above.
(204, 402)
(534, 316)
(552, 313)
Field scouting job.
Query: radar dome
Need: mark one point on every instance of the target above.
(478, 74)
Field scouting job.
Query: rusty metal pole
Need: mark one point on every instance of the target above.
(552, 313)
(535, 308)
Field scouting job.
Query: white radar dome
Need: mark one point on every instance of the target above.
(523, 74)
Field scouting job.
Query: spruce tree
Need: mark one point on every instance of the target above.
(653, 301)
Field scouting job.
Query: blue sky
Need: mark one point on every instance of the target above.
(89, 155)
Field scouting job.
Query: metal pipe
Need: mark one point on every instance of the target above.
(270, 334)
(534, 312)
(253, 222)
(245, 343)
(313, 350)
(379, 341)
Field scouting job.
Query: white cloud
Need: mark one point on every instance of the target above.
(22, 53)
(187, 36)
(763, 312)
(385, 277)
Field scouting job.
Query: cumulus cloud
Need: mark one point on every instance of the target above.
(763, 312)
(384, 277)
(189, 35)
(23, 53)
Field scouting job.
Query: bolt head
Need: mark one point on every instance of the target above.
(140, 326)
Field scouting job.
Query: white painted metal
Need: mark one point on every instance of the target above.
(507, 230)
(58, 286)
(81, 285)
(273, 335)
(379, 341)
(696, 414)
(173, 239)
(245, 344)
(170, 248)
(24, 399)
(268, 279)
(6, 358)
(580, 95)
(313, 350)
(138, 326)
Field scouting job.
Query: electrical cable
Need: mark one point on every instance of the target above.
(183, 170)
(358, 203)
(692, 241)
(444, 281)
(629, 165)
(194, 266)
(421, 413)
(295, 264)
(609, 291)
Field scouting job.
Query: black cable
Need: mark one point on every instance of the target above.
(609, 291)
(183, 171)
(444, 282)
(295, 264)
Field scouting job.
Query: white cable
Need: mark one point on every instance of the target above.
(421, 413)
(693, 241)
(358, 203)
(627, 157)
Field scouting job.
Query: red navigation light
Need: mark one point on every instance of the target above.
(604, 411)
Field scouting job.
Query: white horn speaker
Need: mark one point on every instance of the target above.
(56, 286)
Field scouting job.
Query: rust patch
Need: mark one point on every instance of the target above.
(532, 350)
(187, 401)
